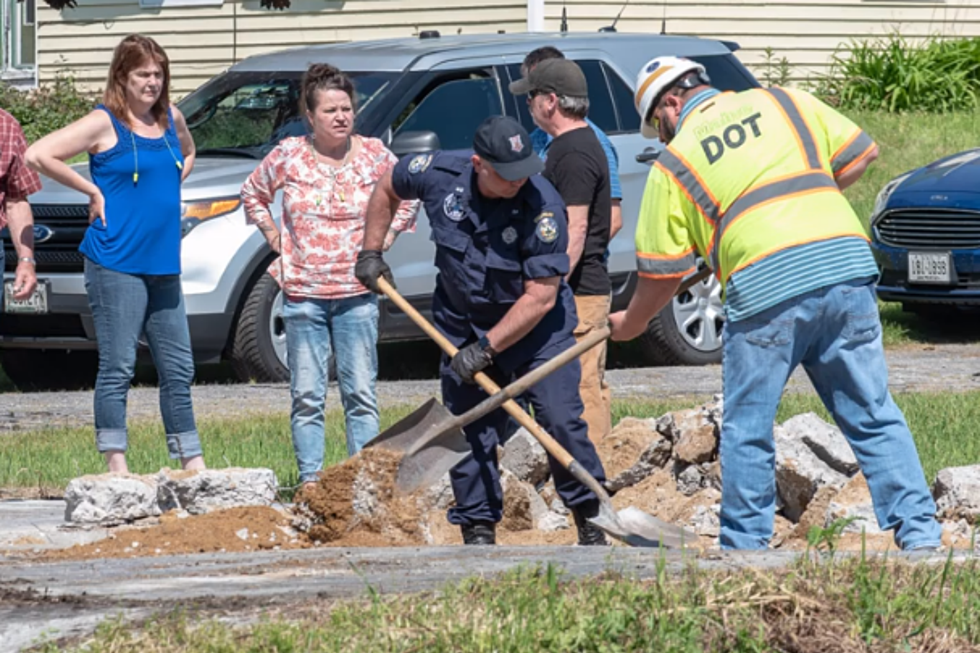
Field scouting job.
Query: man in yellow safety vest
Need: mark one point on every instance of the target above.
(751, 182)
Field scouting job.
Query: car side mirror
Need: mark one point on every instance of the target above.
(649, 155)
(414, 142)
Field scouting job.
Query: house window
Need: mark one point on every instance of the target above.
(17, 34)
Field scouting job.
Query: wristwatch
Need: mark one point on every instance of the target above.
(28, 259)
(484, 343)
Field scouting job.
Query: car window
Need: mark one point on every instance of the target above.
(248, 113)
(724, 74)
(453, 110)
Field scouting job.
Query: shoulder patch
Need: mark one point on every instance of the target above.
(547, 229)
(419, 163)
(543, 215)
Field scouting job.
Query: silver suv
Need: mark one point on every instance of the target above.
(416, 94)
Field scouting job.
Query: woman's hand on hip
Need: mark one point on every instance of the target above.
(96, 207)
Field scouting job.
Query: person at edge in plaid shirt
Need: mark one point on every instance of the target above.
(17, 182)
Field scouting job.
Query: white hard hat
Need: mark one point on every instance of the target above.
(655, 77)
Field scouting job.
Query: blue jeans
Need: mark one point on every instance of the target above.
(123, 307)
(317, 329)
(835, 333)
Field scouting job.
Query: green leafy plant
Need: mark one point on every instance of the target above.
(47, 108)
(894, 74)
(775, 72)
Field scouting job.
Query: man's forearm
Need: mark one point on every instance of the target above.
(522, 317)
(615, 218)
(649, 298)
(21, 224)
(381, 210)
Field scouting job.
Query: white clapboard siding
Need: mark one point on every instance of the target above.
(202, 41)
(805, 32)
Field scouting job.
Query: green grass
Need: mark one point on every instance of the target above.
(844, 605)
(944, 426)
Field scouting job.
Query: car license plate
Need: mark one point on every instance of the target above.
(930, 268)
(36, 303)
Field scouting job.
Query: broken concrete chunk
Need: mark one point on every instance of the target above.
(525, 458)
(705, 520)
(698, 441)
(440, 495)
(201, 491)
(689, 480)
(523, 507)
(552, 498)
(799, 474)
(654, 457)
(110, 499)
(957, 492)
(825, 440)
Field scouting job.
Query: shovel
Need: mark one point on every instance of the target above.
(631, 525)
(432, 438)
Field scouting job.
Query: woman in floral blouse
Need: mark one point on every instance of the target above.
(326, 179)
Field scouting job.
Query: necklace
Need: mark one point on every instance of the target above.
(136, 158)
(334, 169)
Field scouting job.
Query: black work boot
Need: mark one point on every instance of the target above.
(588, 533)
(480, 532)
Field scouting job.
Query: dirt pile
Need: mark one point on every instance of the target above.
(257, 528)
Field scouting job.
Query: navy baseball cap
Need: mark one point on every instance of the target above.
(505, 145)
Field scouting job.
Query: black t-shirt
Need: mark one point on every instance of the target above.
(576, 165)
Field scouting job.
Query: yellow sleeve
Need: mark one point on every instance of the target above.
(664, 246)
(841, 142)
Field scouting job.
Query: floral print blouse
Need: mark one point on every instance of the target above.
(323, 214)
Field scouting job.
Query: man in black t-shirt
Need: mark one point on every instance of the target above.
(558, 101)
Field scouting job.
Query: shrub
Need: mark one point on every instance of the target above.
(891, 74)
(47, 108)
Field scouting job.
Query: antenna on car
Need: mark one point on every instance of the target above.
(564, 18)
(612, 28)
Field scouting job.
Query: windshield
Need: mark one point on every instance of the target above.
(248, 113)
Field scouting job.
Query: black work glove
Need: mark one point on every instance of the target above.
(469, 360)
(370, 267)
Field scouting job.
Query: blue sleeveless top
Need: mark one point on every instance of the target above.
(142, 232)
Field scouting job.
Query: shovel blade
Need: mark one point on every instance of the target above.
(637, 528)
(401, 436)
(431, 458)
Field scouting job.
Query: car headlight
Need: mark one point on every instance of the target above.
(886, 193)
(194, 213)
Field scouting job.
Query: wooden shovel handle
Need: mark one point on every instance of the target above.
(512, 407)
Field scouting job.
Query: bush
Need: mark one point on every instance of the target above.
(47, 108)
(891, 74)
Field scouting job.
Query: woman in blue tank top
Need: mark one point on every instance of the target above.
(140, 151)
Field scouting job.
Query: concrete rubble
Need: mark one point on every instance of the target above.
(957, 492)
(112, 499)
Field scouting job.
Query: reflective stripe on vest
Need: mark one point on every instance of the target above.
(811, 178)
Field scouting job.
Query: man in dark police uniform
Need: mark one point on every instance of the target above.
(501, 240)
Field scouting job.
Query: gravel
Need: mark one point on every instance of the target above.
(930, 368)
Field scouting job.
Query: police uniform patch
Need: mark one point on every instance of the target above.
(544, 214)
(419, 163)
(452, 207)
(547, 229)
(509, 235)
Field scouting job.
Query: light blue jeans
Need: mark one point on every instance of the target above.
(123, 307)
(317, 329)
(835, 333)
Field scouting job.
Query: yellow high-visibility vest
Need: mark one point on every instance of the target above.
(748, 175)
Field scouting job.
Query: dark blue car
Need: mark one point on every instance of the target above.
(925, 233)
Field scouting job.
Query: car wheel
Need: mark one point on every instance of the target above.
(688, 330)
(259, 349)
(33, 370)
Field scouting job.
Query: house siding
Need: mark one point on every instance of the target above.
(202, 41)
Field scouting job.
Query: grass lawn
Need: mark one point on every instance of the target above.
(836, 606)
(944, 426)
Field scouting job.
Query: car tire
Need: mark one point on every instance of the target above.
(33, 370)
(258, 351)
(688, 330)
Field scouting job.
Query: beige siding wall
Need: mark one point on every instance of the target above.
(202, 41)
(804, 31)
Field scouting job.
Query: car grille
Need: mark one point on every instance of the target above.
(59, 253)
(930, 229)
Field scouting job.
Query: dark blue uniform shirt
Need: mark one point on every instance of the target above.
(486, 249)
